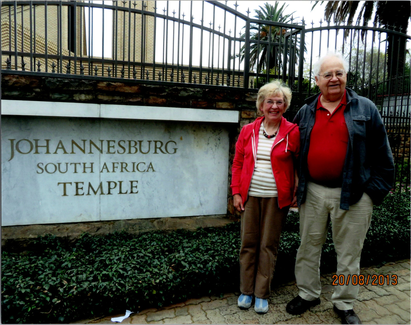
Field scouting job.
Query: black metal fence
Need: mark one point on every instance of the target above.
(207, 44)
(202, 43)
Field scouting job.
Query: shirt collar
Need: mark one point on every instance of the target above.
(343, 101)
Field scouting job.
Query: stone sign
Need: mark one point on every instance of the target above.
(65, 170)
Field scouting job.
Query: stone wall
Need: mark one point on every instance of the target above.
(49, 87)
(18, 238)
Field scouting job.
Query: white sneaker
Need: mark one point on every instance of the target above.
(261, 306)
(244, 301)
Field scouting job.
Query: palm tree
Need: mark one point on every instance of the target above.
(389, 14)
(267, 41)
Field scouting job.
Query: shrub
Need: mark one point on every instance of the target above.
(57, 281)
(388, 238)
(402, 172)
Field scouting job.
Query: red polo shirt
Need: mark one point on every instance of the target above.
(328, 145)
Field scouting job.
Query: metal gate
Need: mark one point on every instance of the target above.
(208, 44)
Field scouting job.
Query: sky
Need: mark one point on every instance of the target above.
(300, 10)
(201, 51)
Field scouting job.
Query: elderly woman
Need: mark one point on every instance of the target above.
(263, 187)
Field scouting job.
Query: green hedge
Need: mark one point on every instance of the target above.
(57, 281)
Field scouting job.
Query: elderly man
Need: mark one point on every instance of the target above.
(345, 167)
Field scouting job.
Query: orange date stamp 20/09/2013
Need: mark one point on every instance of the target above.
(364, 279)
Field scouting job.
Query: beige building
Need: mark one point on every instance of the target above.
(58, 35)
(66, 37)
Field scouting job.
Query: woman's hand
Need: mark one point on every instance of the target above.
(238, 203)
(294, 202)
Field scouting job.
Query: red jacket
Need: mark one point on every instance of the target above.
(283, 155)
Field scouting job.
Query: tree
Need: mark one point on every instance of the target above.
(367, 72)
(268, 41)
(390, 15)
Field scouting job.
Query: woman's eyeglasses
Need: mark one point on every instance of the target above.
(272, 102)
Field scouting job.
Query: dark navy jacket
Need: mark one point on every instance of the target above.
(368, 166)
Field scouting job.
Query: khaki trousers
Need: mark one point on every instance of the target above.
(349, 228)
(261, 224)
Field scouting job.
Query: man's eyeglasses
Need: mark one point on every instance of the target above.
(329, 75)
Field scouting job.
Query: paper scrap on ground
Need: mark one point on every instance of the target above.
(121, 318)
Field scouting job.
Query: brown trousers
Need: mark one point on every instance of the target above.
(261, 224)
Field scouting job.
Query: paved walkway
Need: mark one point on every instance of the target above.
(377, 304)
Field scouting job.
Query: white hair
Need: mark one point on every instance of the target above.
(317, 65)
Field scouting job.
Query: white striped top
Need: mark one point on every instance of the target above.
(263, 182)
